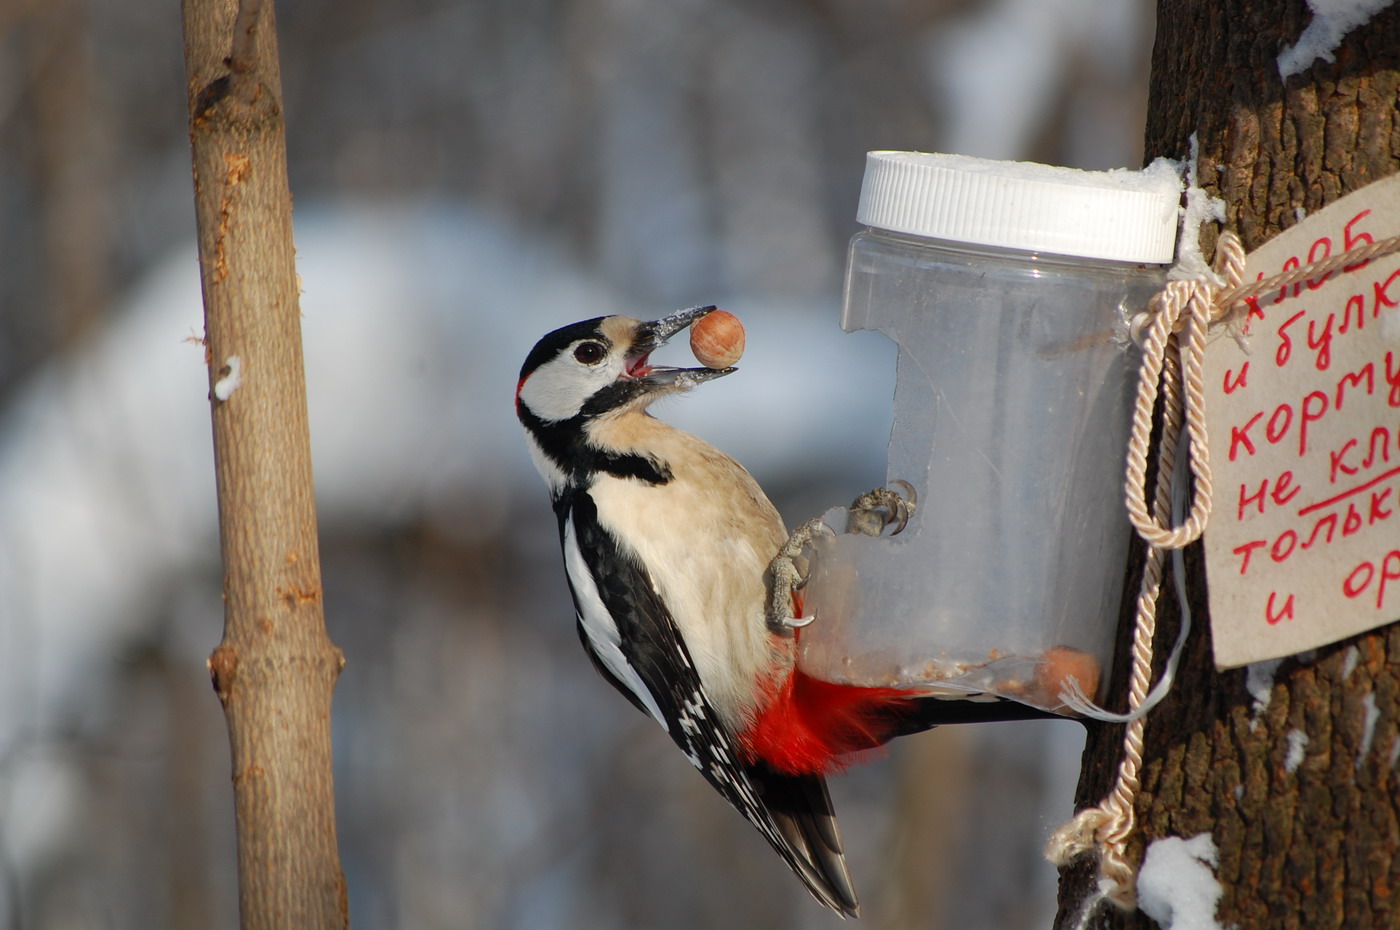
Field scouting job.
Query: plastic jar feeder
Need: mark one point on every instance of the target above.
(1007, 288)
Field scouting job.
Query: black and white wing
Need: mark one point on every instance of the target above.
(635, 644)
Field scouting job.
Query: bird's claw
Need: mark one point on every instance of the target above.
(868, 514)
(788, 577)
(874, 510)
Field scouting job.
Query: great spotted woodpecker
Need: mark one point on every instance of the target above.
(667, 544)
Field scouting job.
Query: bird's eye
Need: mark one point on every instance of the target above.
(589, 353)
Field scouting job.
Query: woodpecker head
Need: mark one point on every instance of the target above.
(602, 366)
(592, 370)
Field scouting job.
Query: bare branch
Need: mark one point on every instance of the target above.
(275, 670)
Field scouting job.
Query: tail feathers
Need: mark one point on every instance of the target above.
(805, 730)
(800, 808)
(810, 726)
(926, 712)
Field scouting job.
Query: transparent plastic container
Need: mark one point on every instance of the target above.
(1007, 289)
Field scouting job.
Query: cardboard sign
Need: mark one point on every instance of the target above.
(1303, 545)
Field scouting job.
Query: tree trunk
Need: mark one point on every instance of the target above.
(275, 669)
(1317, 847)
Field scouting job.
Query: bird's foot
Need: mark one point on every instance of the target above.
(874, 510)
(789, 570)
(868, 514)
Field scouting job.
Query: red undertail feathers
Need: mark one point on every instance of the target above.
(809, 725)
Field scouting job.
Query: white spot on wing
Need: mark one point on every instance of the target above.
(693, 716)
(690, 710)
(599, 626)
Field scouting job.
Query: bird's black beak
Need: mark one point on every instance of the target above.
(653, 335)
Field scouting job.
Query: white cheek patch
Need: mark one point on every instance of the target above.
(599, 627)
(558, 389)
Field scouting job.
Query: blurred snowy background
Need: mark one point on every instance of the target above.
(469, 175)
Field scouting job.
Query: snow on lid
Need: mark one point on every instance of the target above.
(1121, 215)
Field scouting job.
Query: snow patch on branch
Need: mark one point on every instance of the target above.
(1297, 750)
(1259, 682)
(225, 386)
(1332, 20)
(1200, 208)
(1177, 886)
(1349, 662)
(1368, 732)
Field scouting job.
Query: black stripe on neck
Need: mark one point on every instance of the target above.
(566, 445)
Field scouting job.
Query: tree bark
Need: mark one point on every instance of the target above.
(1318, 847)
(275, 669)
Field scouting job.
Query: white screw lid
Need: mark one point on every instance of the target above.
(1121, 215)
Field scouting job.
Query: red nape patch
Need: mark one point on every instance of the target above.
(810, 724)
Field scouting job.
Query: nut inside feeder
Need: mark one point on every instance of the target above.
(1007, 289)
